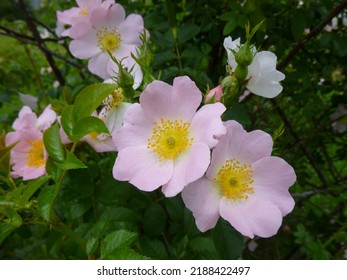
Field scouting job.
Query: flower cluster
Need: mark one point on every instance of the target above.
(167, 139)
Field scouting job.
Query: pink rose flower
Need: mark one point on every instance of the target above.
(28, 157)
(79, 14)
(215, 95)
(244, 184)
(164, 141)
(108, 31)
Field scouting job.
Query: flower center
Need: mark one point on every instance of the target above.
(35, 154)
(84, 12)
(169, 138)
(109, 39)
(114, 99)
(235, 180)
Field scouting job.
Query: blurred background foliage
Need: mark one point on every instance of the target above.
(186, 38)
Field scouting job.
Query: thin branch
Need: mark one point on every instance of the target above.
(297, 139)
(40, 42)
(315, 31)
(30, 40)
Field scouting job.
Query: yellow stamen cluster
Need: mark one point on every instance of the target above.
(169, 138)
(109, 39)
(100, 137)
(235, 180)
(114, 99)
(35, 154)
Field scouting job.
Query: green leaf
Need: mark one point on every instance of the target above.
(5, 230)
(53, 145)
(115, 240)
(88, 125)
(228, 242)
(92, 246)
(153, 248)
(154, 220)
(188, 32)
(32, 187)
(5, 158)
(229, 27)
(90, 98)
(71, 162)
(46, 200)
(227, 16)
(14, 218)
(52, 169)
(67, 121)
(125, 254)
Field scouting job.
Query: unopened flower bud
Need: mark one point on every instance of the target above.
(241, 72)
(214, 95)
(245, 55)
(230, 87)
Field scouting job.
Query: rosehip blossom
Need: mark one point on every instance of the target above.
(29, 156)
(214, 95)
(263, 78)
(340, 119)
(79, 14)
(108, 32)
(164, 141)
(244, 184)
(112, 114)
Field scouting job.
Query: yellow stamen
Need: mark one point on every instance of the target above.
(235, 180)
(114, 99)
(35, 154)
(169, 138)
(84, 12)
(109, 39)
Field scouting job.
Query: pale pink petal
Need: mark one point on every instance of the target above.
(86, 3)
(252, 216)
(136, 130)
(68, 15)
(131, 28)
(207, 126)
(141, 167)
(33, 173)
(26, 119)
(188, 167)
(160, 100)
(46, 119)
(202, 198)
(124, 52)
(83, 30)
(272, 178)
(116, 16)
(98, 65)
(246, 147)
(98, 18)
(85, 46)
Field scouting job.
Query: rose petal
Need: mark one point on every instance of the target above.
(136, 130)
(46, 119)
(202, 198)
(207, 125)
(188, 167)
(252, 216)
(160, 100)
(98, 65)
(141, 167)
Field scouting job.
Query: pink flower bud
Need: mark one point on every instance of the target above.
(215, 95)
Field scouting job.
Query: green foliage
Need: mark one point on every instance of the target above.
(78, 211)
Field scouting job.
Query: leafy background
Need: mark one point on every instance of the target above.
(93, 216)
